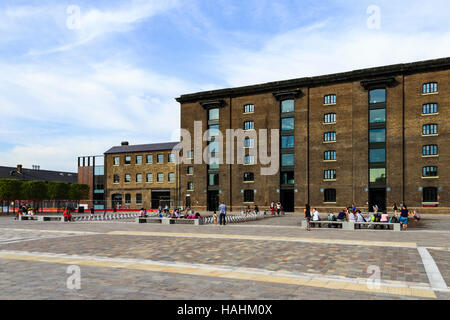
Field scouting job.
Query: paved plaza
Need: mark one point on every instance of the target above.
(264, 259)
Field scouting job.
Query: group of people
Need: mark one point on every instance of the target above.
(276, 208)
(25, 210)
(352, 214)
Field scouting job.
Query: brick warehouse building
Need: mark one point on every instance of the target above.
(377, 135)
(141, 176)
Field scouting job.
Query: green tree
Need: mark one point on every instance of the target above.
(79, 192)
(58, 191)
(11, 190)
(36, 191)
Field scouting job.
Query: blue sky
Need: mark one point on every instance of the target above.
(67, 92)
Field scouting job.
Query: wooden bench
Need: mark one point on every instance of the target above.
(51, 218)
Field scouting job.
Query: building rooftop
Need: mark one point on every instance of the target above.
(142, 148)
(41, 175)
(356, 75)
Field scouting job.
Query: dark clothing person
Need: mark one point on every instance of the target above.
(341, 216)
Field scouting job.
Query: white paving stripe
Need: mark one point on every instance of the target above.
(434, 275)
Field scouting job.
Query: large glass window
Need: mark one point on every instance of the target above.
(329, 195)
(249, 108)
(149, 158)
(377, 135)
(138, 198)
(377, 96)
(190, 170)
(249, 125)
(116, 178)
(213, 114)
(430, 108)
(249, 159)
(116, 161)
(190, 186)
(329, 136)
(249, 195)
(287, 142)
(429, 129)
(139, 177)
(377, 116)
(171, 158)
(377, 175)
(430, 195)
(128, 198)
(329, 99)
(287, 160)
(287, 178)
(138, 159)
(329, 174)
(150, 177)
(329, 155)
(287, 124)
(160, 177)
(430, 150)
(330, 118)
(429, 172)
(171, 177)
(127, 178)
(287, 106)
(213, 179)
(377, 155)
(127, 159)
(430, 87)
(249, 142)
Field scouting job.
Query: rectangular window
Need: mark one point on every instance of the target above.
(329, 195)
(249, 159)
(377, 155)
(249, 142)
(191, 154)
(287, 160)
(378, 175)
(171, 158)
(160, 177)
(430, 195)
(329, 174)
(213, 164)
(377, 135)
(377, 96)
(139, 177)
(171, 177)
(149, 158)
(249, 125)
(249, 177)
(287, 124)
(213, 131)
(190, 186)
(329, 155)
(190, 170)
(429, 129)
(213, 179)
(287, 178)
(116, 178)
(150, 177)
(127, 178)
(160, 158)
(128, 198)
(116, 161)
(249, 195)
(329, 136)
(430, 150)
(213, 114)
(287, 106)
(430, 108)
(138, 159)
(138, 198)
(430, 87)
(329, 99)
(377, 116)
(127, 159)
(429, 172)
(249, 108)
(287, 142)
(330, 118)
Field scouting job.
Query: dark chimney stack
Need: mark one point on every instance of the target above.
(19, 168)
(124, 143)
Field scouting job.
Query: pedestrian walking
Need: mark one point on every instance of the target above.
(222, 213)
(307, 212)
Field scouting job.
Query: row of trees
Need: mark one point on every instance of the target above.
(37, 191)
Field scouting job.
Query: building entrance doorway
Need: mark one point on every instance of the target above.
(160, 198)
(116, 200)
(213, 201)
(377, 197)
(287, 200)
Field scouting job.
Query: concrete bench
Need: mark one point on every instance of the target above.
(51, 218)
(382, 225)
(148, 220)
(27, 217)
(329, 224)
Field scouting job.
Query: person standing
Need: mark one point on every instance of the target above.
(308, 217)
(404, 218)
(222, 213)
(278, 208)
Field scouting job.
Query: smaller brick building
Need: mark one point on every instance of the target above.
(141, 176)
